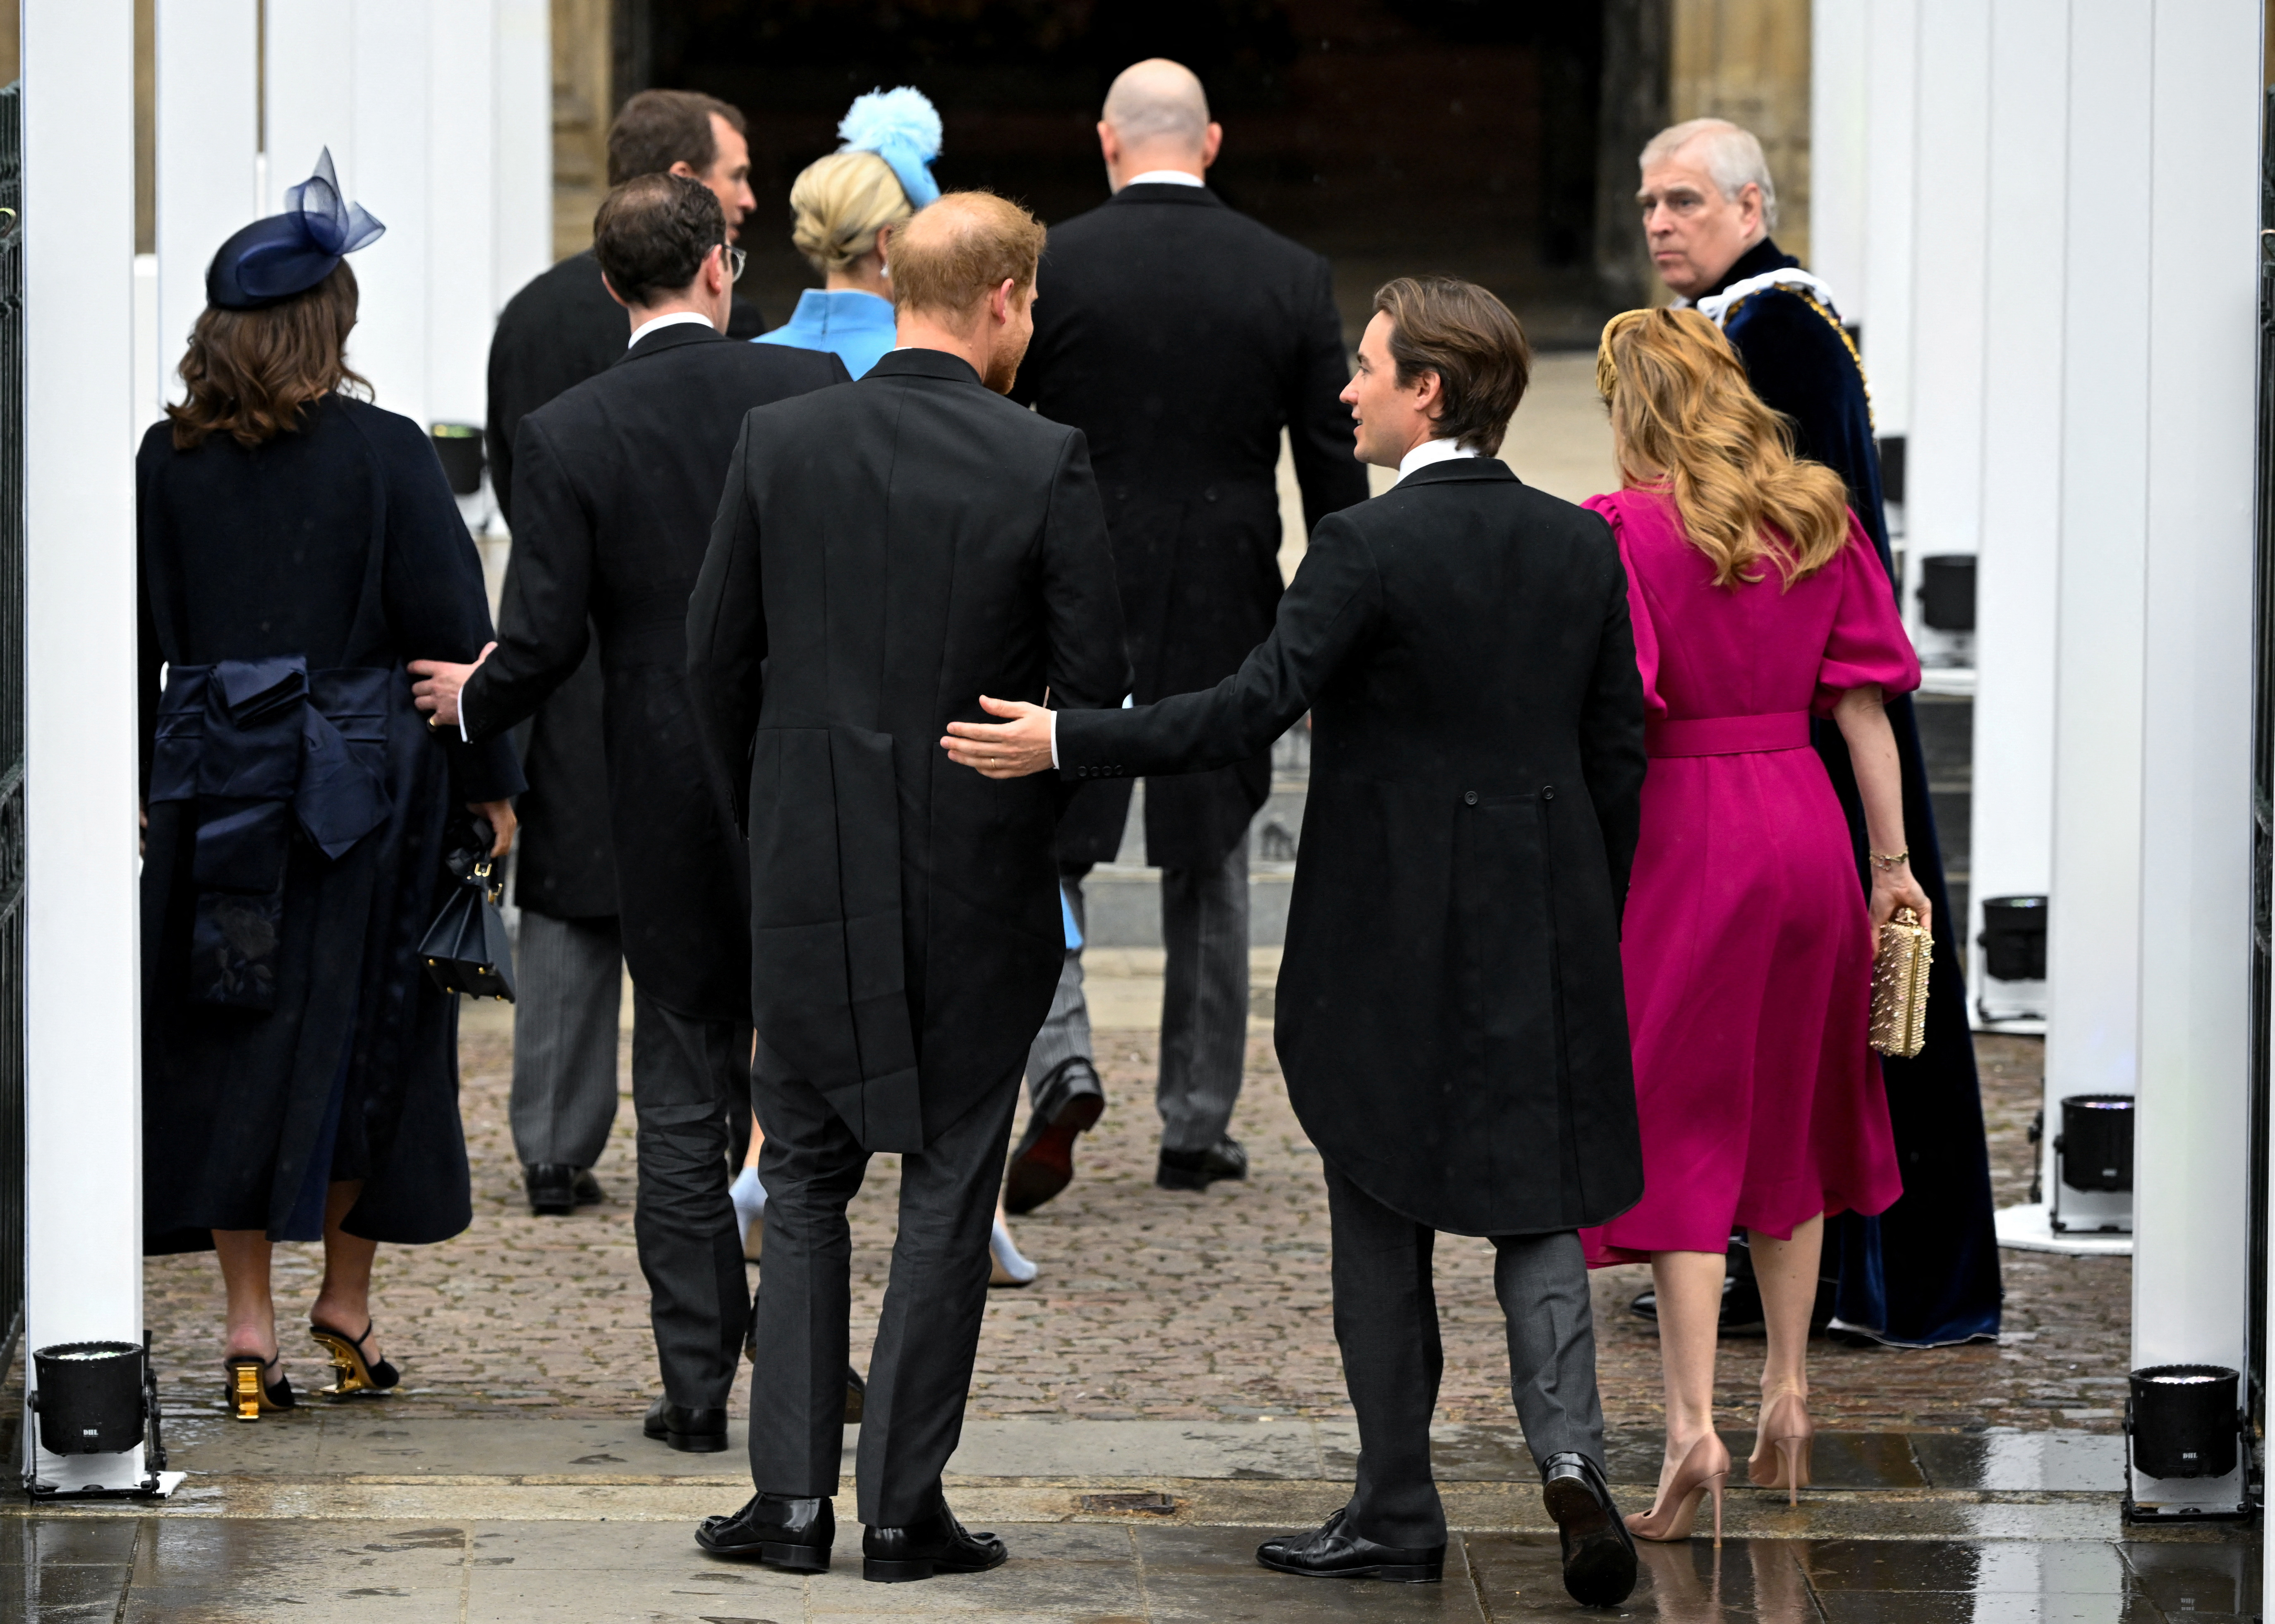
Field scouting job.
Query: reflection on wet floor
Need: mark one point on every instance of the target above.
(185, 1570)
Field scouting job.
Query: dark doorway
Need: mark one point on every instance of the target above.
(1394, 136)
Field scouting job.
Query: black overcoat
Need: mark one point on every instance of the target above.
(560, 328)
(338, 544)
(1181, 337)
(616, 483)
(1926, 1270)
(884, 554)
(1452, 1018)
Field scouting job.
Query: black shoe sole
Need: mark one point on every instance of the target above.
(1047, 1166)
(1177, 1178)
(878, 1570)
(551, 1209)
(690, 1443)
(1600, 1572)
(796, 1559)
(1396, 1572)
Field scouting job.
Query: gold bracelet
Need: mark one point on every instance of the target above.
(1888, 862)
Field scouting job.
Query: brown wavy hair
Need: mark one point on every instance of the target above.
(1687, 422)
(251, 373)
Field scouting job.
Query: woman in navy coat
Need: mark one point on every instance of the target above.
(296, 544)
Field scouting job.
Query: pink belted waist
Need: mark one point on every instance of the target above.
(1726, 735)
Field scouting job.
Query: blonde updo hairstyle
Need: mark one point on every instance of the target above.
(838, 204)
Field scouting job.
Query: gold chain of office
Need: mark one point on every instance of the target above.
(1833, 321)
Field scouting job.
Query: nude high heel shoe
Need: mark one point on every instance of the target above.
(1704, 1470)
(1780, 1458)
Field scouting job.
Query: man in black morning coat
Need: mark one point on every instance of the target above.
(1452, 1018)
(615, 482)
(1180, 337)
(559, 330)
(883, 554)
(1924, 1273)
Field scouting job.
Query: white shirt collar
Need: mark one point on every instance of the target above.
(1165, 178)
(674, 319)
(1431, 451)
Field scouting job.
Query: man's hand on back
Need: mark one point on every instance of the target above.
(437, 691)
(1010, 749)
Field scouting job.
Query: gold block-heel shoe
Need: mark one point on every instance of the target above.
(351, 1372)
(247, 1392)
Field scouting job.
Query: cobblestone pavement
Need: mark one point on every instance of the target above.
(1149, 1303)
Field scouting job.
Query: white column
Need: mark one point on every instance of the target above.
(209, 108)
(308, 90)
(1890, 118)
(1839, 91)
(462, 209)
(2012, 850)
(522, 104)
(2149, 940)
(1943, 484)
(83, 1220)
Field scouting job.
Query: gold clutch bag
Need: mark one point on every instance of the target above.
(1899, 985)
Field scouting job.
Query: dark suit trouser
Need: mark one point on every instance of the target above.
(570, 975)
(688, 1076)
(929, 1334)
(1204, 1000)
(1386, 1324)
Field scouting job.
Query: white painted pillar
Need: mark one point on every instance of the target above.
(83, 1219)
(523, 106)
(208, 109)
(1943, 497)
(2149, 931)
(2012, 849)
(1890, 208)
(462, 209)
(1839, 92)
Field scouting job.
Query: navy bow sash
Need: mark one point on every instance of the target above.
(263, 747)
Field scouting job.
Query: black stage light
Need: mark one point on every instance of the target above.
(2182, 1421)
(2094, 1149)
(90, 1400)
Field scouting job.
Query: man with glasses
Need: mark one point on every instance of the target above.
(615, 485)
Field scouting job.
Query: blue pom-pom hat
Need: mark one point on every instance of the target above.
(271, 260)
(903, 127)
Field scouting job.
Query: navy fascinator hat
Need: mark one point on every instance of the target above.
(272, 260)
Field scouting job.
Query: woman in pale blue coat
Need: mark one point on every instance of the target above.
(844, 210)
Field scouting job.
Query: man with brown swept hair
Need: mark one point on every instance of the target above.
(1452, 1018)
(886, 553)
(562, 328)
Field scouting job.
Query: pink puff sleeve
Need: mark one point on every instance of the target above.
(1867, 642)
(1646, 630)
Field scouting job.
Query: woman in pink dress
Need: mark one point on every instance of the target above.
(1758, 604)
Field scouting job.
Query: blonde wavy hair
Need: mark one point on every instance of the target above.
(838, 204)
(1687, 422)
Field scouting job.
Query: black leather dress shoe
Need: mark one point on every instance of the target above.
(552, 1188)
(587, 1188)
(937, 1546)
(1068, 1105)
(775, 1529)
(1199, 1170)
(1333, 1552)
(1599, 1553)
(691, 1431)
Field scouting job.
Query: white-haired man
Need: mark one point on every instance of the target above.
(1926, 1272)
(1181, 338)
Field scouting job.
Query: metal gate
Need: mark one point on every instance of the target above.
(2263, 787)
(11, 721)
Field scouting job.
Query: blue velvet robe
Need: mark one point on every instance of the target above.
(1925, 1272)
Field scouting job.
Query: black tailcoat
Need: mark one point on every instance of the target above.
(616, 483)
(339, 544)
(1926, 1270)
(1452, 1016)
(559, 330)
(1181, 337)
(884, 554)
